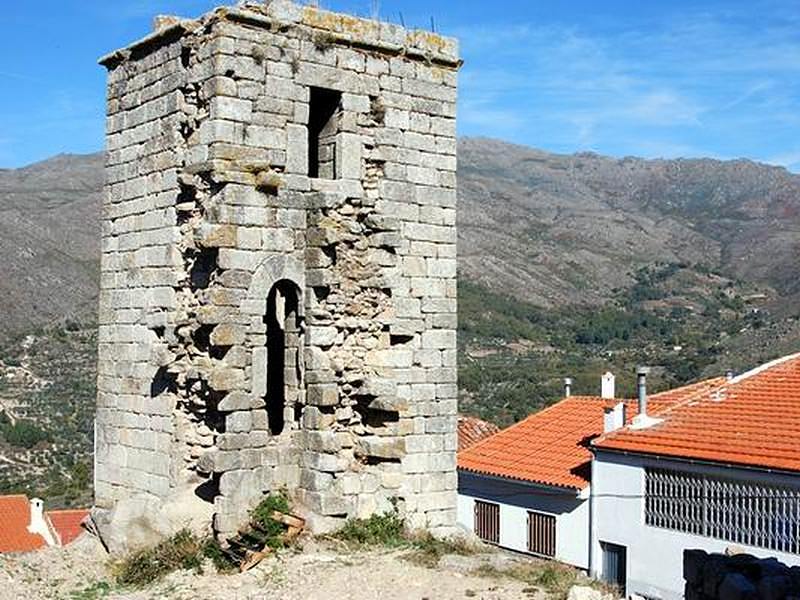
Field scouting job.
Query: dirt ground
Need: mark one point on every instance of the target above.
(319, 571)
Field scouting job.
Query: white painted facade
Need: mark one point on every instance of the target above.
(655, 555)
(515, 498)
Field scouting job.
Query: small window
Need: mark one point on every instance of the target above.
(542, 534)
(487, 521)
(283, 347)
(615, 566)
(324, 124)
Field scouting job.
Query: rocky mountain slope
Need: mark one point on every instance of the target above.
(49, 242)
(566, 229)
(549, 229)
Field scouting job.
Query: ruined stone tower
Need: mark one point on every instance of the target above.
(278, 304)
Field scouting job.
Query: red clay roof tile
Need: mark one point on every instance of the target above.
(67, 523)
(472, 430)
(15, 515)
(551, 447)
(752, 420)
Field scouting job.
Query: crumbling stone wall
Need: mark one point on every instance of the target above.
(738, 577)
(261, 328)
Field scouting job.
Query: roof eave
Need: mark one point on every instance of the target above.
(697, 461)
(562, 489)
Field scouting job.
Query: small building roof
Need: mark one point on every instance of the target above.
(552, 447)
(752, 420)
(15, 516)
(472, 430)
(67, 523)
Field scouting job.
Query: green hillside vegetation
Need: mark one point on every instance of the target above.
(683, 320)
(47, 381)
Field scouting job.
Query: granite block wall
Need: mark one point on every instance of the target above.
(278, 302)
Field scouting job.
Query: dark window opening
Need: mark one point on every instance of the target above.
(487, 521)
(324, 121)
(542, 534)
(283, 347)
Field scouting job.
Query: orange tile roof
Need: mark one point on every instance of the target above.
(551, 447)
(15, 515)
(67, 523)
(472, 430)
(752, 420)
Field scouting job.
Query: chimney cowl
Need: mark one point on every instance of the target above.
(567, 387)
(643, 420)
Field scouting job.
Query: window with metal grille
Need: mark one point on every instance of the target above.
(487, 521)
(542, 534)
(744, 512)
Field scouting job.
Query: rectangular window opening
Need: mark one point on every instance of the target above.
(487, 521)
(542, 534)
(750, 513)
(324, 124)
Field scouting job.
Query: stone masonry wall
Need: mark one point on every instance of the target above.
(738, 577)
(262, 329)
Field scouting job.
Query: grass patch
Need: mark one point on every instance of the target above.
(184, 551)
(554, 578)
(428, 549)
(388, 530)
(95, 591)
(379, 530)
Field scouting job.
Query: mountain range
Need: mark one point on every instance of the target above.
(548, 229)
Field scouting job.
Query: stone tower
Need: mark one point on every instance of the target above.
(278, 304)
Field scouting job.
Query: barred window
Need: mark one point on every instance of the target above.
(487, 521)
(743, 512)
(542, 534)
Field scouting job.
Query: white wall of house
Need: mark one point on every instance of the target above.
(655, 555)
(515, 500)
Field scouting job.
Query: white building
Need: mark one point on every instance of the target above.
(527, 487)
(717, 470)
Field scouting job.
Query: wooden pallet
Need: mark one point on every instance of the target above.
(249, 546)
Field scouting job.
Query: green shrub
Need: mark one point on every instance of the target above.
(379, 530)
(23, 434)
(222, 561)
(183, 551)
(262, 515)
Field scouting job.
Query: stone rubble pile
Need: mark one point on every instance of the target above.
(738, 577)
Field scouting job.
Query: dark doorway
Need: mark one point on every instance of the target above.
(615, 566)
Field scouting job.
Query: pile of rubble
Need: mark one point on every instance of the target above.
(738, 577)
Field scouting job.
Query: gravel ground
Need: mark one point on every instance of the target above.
(319, 571)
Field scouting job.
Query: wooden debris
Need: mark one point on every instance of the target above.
(249, 547)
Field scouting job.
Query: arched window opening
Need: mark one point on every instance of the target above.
(283, 348)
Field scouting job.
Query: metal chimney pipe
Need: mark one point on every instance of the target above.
(729, 374)
(567, 387)
(641, 384)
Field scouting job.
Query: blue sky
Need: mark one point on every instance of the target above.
(645, 78)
